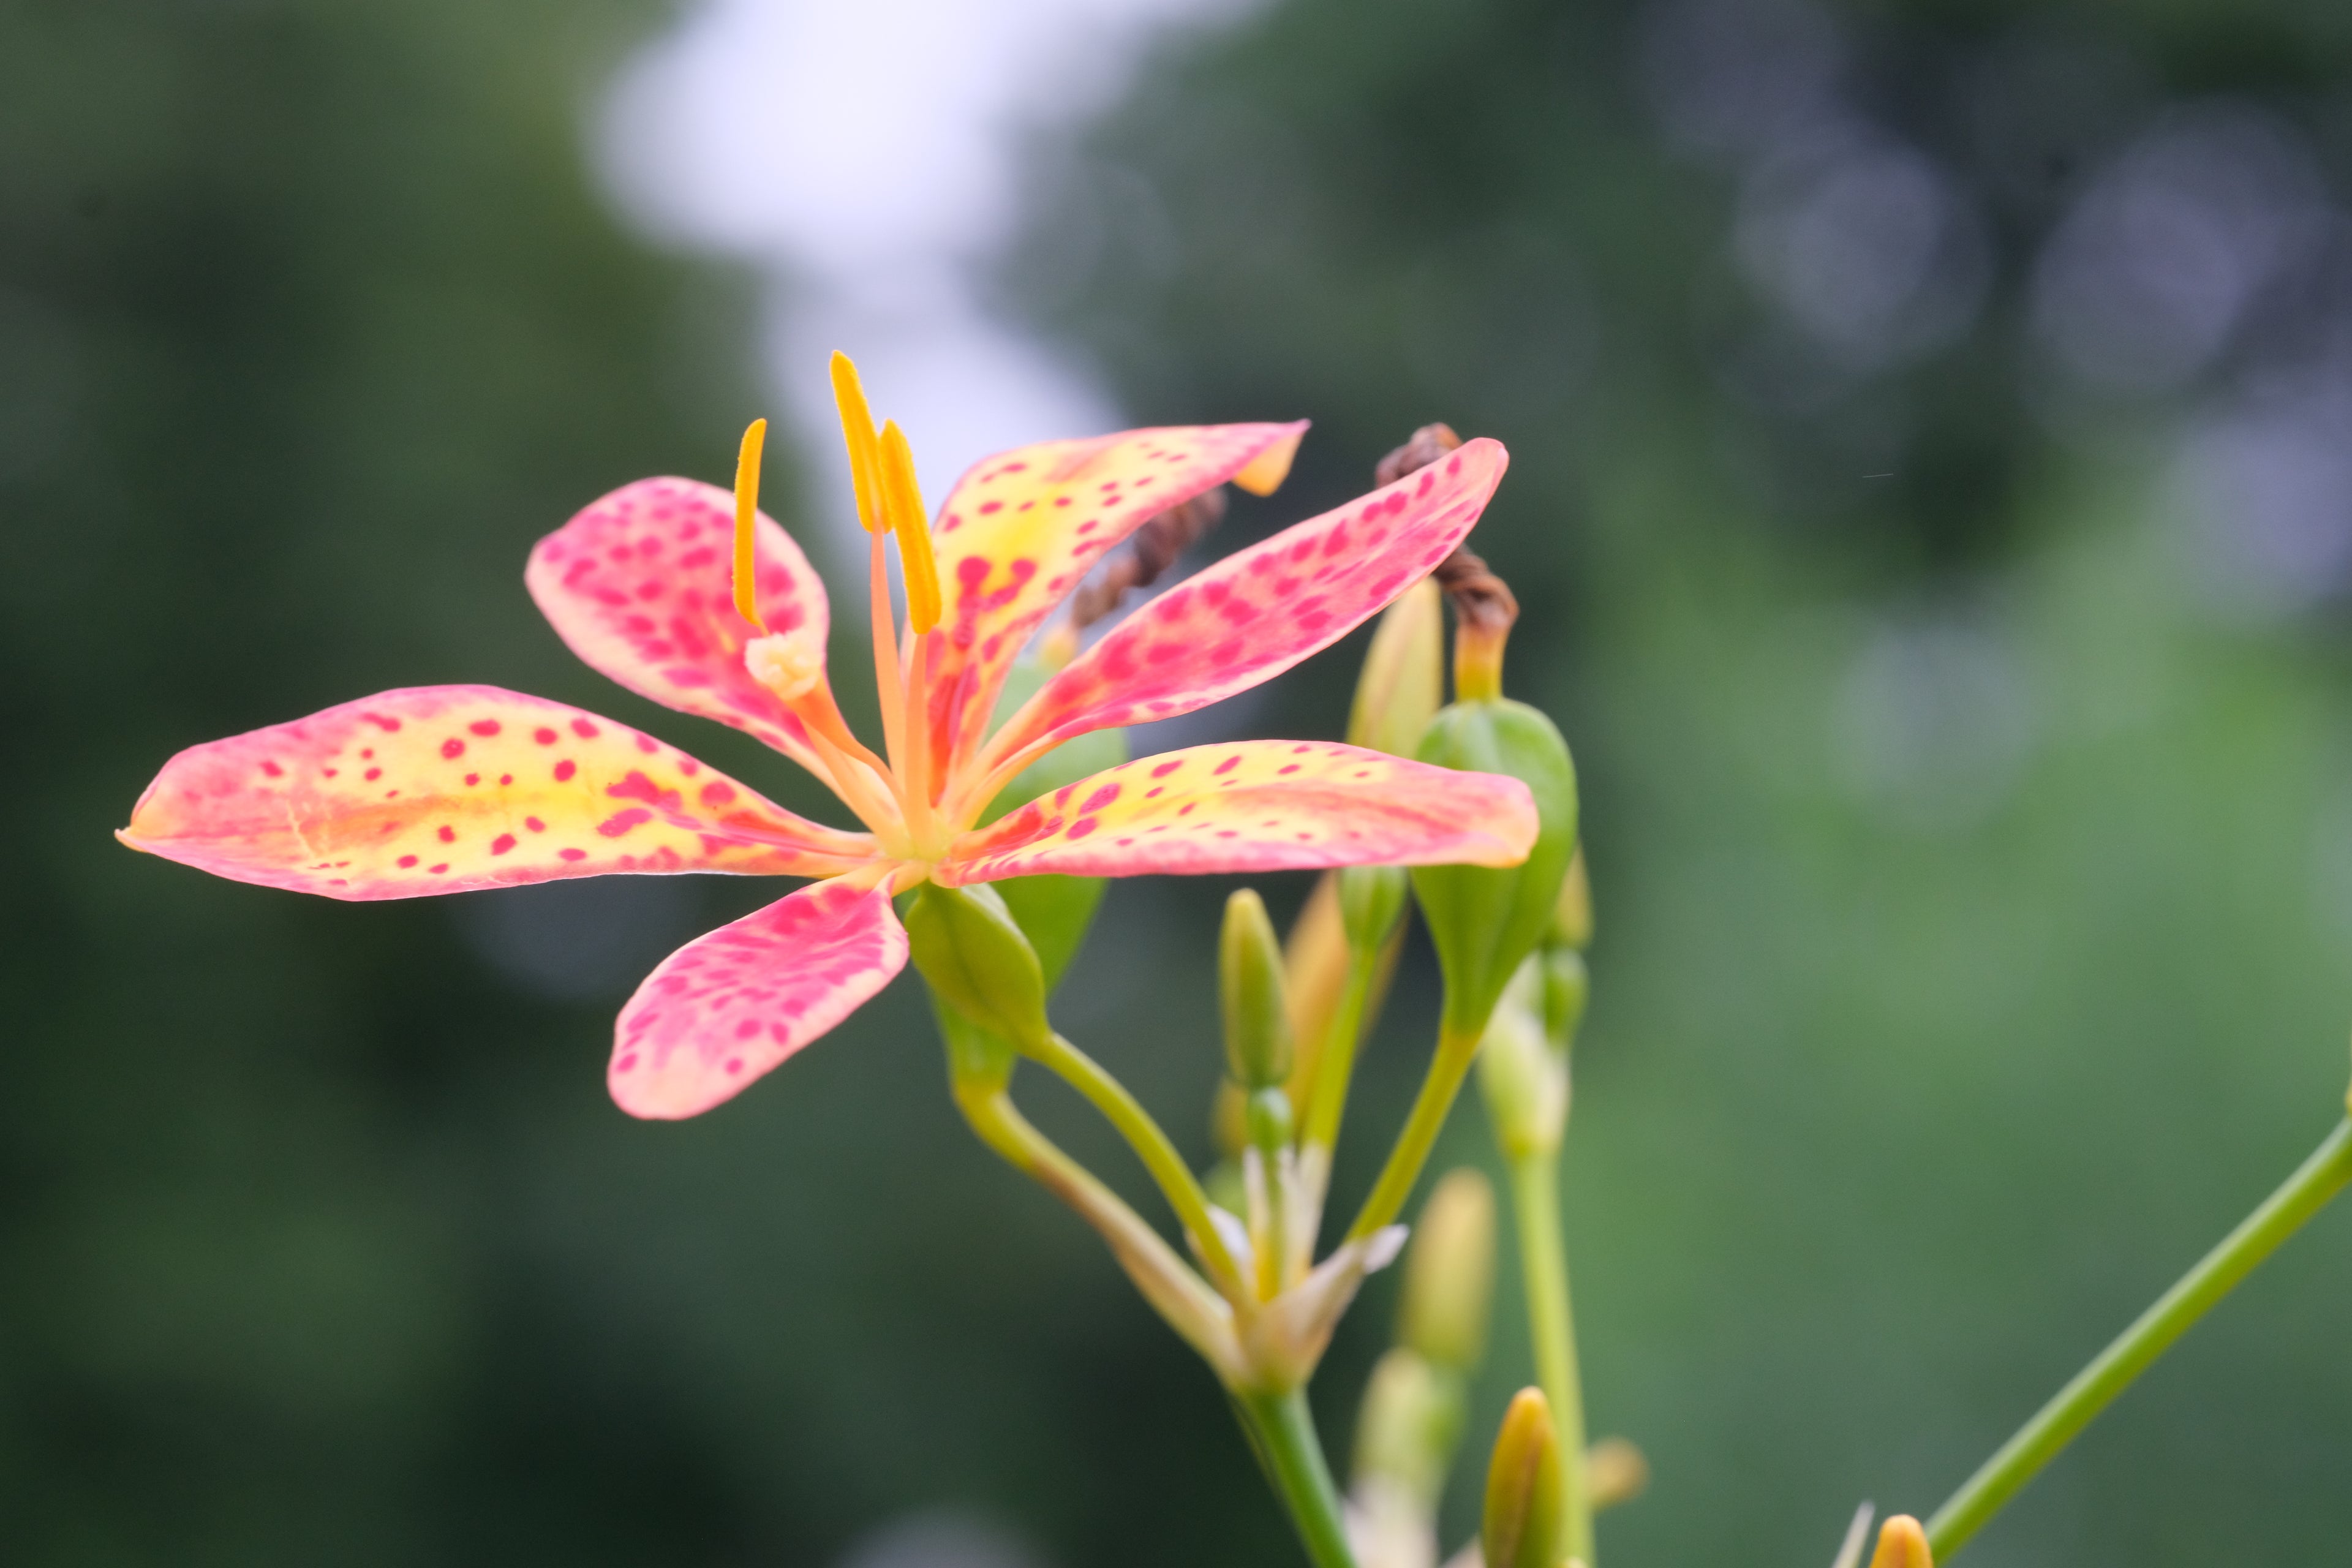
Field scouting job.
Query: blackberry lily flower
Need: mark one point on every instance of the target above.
(446, 788)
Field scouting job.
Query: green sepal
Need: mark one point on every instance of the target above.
(978, 1060)
(1485, 920)
(966, 946)
(1055, 911)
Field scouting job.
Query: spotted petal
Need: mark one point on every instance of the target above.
(1021, 528)
(1255, 805)
(731, 1005)
(1261, 610)
(640, 584)
(436, 789)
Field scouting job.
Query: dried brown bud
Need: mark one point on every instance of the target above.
(1150, 550)
(1429, 443)
(1484, 607)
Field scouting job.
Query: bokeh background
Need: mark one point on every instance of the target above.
(1932, 494)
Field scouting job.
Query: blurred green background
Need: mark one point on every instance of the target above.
(1932, 497)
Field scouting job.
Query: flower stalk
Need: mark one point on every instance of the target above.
(2092, 1390)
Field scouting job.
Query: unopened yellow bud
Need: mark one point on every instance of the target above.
(1571, 917)
(1404, 680)
(1522, 1523)
(1314, 973)
(1449, 1273)
(1229, 1119)
(789, 664)
(1615, 1471)
(1902, 1544)
(1249, 972)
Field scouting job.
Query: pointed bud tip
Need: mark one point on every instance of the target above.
(1522, 1523)
(1250, 983)
(1901, 1543)
(1449, 1277)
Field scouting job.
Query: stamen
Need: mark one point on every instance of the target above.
(747, 508)
(858, 430)
(789, 664)
(912, 525)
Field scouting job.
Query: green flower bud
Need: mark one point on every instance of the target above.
(1268, 1119)
(1566, 987)
(1249, 975)
(1371, 901)
(1485, 920)
(1408, 1429)
(1522, 1523)
(966, 946)
(1404, 673)
(1449, 1273)
(1524, 1077)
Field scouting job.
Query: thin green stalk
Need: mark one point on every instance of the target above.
(1151, 1145)
(2056, 1425)
(1174, 1291)
(1552, 1323)
(1456, 1049)
(1283, 1432)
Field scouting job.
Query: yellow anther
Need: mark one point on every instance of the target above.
(858, 430)
(905, 503)
(747, 508)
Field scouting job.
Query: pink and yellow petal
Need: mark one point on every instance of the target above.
(1255, 805)
(640, 584)
(734, 1004)
(1021, 528)
(438, 789)
(1261, 610)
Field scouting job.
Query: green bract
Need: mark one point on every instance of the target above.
(1483, 920)
(1054, 910)
(976, 960)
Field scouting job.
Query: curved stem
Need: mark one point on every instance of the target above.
(1283, 1432)
(1552, 1323)
(1174, 1291)
(1151, 1145)
(1456, 1049)
(2056, 1425)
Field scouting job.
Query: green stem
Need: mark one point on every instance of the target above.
(1552, 1323)
(2056, 1425)
(1456, 1049)
(1283, 1432)
(1151, 1145)
(1180, 1295)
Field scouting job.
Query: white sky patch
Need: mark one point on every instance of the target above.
(864, 158)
